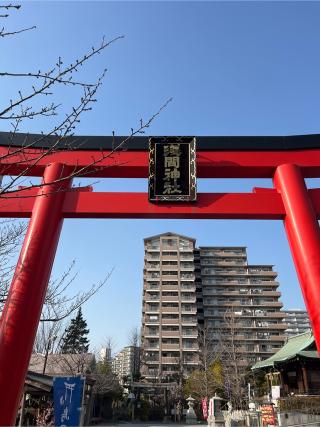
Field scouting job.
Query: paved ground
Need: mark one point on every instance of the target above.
(149, 424)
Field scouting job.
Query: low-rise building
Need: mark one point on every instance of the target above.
(295, 367)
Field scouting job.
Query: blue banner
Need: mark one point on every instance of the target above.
(67, 397)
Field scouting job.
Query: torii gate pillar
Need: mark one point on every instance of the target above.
(22, 311)
(303, 235)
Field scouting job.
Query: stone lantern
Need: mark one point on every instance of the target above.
(191, 416)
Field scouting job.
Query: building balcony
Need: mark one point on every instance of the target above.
(272, 283)
(187, 266)
(170, 321)
(191, 362)
(276, 314)
(270, 293)
(170, 287)
(270, 304)
(170, 277)
(223, 272)
(171, 298)
(191, 300)
(170, 360)
(148, 334)
(186, 249)
(169, 257)
(193, 335)
(152, 257)
(152, 298)
(187, 277)
(221, 263)
(170, 334)
(153, 249)
(231, 283)
(223, 254)
(151, 321)
(189, 322)
(149, 310)
(277, 338)
(189, 310)
(152, 266)
(152, 361)
(194, 348)
(165, 347)
(170, 248)
(170, 309)
(151, 286)
(190, 288)
(260, 326)
(256, 271)
(149, 347)
(170, 267)
(270, 326)
(186, 257)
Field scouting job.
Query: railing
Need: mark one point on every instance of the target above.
(151, 298)
(187, 266)
(170, 287)
(149, 277)
(190, 300)
(184, 276)
(170, 321)
(186, 256)
(171, 360)
(174, 298)
(170, 346)
(189, 321)
(170, 309)
(152, 267)
(170, 334)
(151, 334)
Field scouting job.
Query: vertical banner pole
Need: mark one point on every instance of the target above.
(21, 314)
(303, 234)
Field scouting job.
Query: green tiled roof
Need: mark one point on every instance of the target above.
(294, 346)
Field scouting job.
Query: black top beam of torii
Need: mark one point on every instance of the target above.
(140, 143)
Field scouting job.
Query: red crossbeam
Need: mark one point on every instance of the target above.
(78, 204)
(134, 164)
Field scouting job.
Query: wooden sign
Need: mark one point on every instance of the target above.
(172, 169)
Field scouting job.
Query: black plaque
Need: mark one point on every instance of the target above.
(172, 169)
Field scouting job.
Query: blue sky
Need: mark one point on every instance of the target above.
(232, 68)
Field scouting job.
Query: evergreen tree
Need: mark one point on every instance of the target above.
(75, 336)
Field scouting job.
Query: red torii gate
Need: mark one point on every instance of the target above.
(288, 160)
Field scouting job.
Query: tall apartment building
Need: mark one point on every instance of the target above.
(126, 362)
(240, 303)
(213, 287)
(169, 312)
(297, 322)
